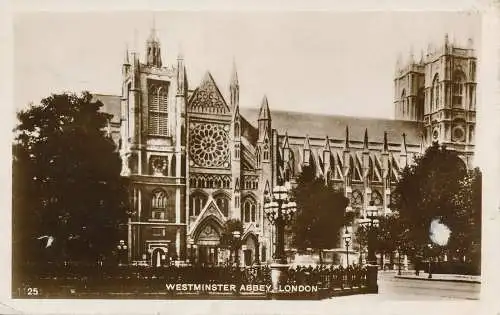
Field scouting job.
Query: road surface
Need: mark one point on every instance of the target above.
(411, 289)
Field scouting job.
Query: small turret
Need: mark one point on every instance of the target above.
(346, 143)
(264, 120)
(234, 88)
(153, 51)
(385, 149)
(286, 148)
(307, 151)
(365, 141)
(403, 155)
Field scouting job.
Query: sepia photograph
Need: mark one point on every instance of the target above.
(207, 155)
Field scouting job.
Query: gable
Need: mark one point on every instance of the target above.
(207, 98)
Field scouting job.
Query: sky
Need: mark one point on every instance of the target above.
(324, 62)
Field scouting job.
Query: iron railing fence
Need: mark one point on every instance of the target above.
(52, 280)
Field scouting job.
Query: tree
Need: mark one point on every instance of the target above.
(435, 188)
(391, 235)
(467, 224)
(227, 238)
(66, 182)
(320, 213)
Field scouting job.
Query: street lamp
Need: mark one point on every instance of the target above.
(347, 241)
(279, 211)
(372, 223)
(430, 254)
(122, 251)
(236, 237)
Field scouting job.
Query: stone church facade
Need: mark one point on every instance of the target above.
(195, 159)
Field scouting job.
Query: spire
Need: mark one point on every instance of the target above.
(421, 56)
(286, 145)
(181, 72)
(327, 144)
(152, 35)
(386, 146)
(403, 145)
(346, 144)
(446, 40)
(234, 75)
(153, 51)
(234, 88)
(307, 146)
(264, 113)
(365, 140)
(126, 60)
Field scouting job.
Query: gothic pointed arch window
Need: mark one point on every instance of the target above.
(435, 93)
(222, 200)
(249, 210)
(158, 110)
(266, 150)
(458, 88)
(197, 203)
(159, 205)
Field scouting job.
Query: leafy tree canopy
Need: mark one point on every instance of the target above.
(227, 239)
(320, 212)
(66, 179)
(438, 186)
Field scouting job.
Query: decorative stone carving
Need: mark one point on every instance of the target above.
(158, 165)
(208, 99)
(209, 145)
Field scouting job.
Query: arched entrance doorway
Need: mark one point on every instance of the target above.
(158, 257)
(207, 242)
(250, 249)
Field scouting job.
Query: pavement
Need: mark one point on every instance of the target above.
(438, 277)
(440, 287)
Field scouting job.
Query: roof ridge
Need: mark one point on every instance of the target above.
(326, 114)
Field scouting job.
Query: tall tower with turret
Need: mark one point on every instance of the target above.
(153, 155)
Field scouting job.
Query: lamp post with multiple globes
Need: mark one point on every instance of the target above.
(122, 253)
(371, 221)
(279, 209)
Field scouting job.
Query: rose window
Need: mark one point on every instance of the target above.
(209, 146)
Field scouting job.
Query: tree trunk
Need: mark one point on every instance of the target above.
(320, 256)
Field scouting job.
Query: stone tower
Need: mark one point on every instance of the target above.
(153, 155)
(439, 90)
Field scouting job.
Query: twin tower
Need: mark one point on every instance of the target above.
(439, 90)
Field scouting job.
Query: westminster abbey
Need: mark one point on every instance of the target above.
(195, 159)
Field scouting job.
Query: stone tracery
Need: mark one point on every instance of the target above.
(209, 145)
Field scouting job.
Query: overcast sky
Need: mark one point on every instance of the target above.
(330, 62)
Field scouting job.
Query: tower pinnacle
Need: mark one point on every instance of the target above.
(264, 113)
(234, 88)
(153, 51)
